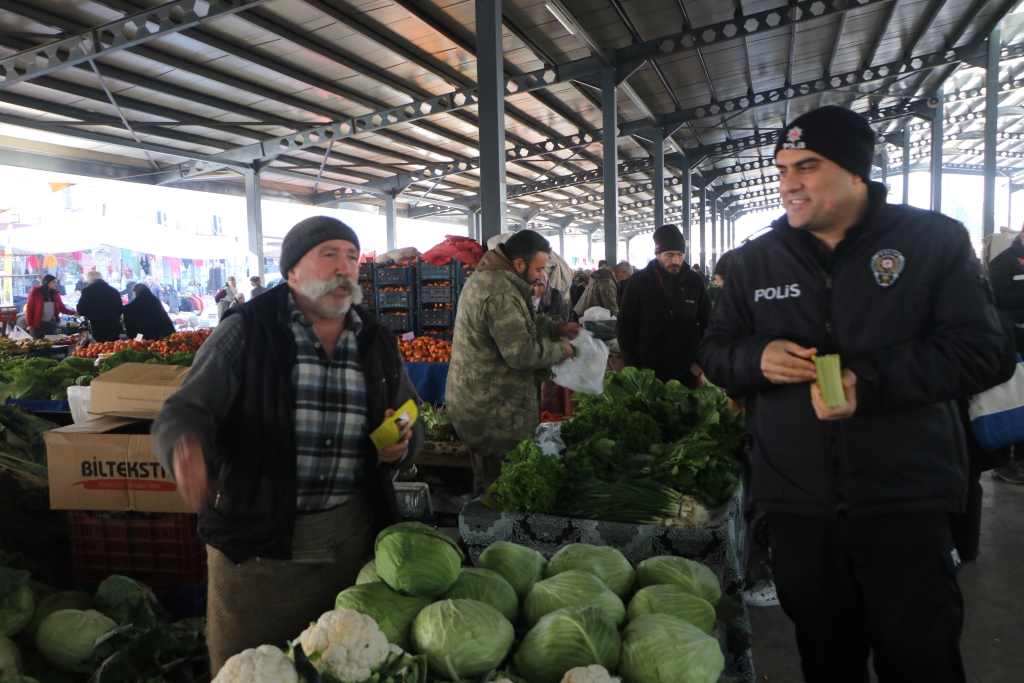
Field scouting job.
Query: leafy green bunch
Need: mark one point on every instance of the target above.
(530, 480)
(697, 465)
(438, 424)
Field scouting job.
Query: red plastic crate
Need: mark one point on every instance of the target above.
(158, 549)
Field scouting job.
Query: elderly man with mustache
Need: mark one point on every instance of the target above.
(269, 436)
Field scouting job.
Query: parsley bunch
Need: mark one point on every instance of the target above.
(530, 480)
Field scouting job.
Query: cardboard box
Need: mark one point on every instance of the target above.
(108, 464)
(135, 390)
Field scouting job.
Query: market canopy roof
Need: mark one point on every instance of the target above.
(349, 100)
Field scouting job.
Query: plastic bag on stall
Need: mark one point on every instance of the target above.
(596, 314)
(549, 437)
(585, 372)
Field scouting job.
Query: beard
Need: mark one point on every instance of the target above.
(317, 294)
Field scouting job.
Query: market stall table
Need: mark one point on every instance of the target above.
(720, 545)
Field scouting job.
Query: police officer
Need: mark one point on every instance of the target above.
(857, 496)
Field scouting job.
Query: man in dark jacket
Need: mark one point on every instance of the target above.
(270, 431)
(101, 305)
(145, 315)
(665, 309)
(621, 271)
(858, 496)
(1006, 275)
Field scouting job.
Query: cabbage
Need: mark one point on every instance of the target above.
(417, 560)
(565, 639)
(461, 638)
(392, 611)
(572, 589)
(10, 655)
(67, 637)
(127, 600)
(368, 574)
(521, 566)
(669, 599)
(488, 587)
(660, 648)
(16, 609)
(52, 603)
(693, 577)
(604, 562)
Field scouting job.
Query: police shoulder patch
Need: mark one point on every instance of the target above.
(887, 266)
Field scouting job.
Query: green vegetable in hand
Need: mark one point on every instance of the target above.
(830, 380)
(530, 480)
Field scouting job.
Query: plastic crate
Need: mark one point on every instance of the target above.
(369, 294)
(157, 549)
(394, 300)
(366, 271)
(397, 321)
(394, 277)
(184, 603)
(437, 295)
(427, 271)
(436, 318)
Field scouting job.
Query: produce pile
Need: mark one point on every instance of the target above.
(438, 425)
(43, 379)
(21, 347)
(22, 448)
(119, 635)
(641, 452)
(425, 350)
(178, 344)
(416, 616)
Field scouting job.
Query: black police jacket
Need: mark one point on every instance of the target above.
(903, 300)
(1006, 273)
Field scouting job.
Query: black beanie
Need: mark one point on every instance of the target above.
(668, 238)
(836, 133)
(308, 234)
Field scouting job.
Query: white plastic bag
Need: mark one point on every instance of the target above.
(549, 437)
(595, 313)
(585, 373)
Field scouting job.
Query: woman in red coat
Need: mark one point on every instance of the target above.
(43, 307)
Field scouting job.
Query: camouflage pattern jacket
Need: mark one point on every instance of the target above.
(603, 291)
(499, 342)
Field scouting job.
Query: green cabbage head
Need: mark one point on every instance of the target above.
(488, 587)
(67, 637)
(368, 574)
(10, 655)
(660, 648)
(669, 599)
(126, 600)
(392, 611)
(461, 638)
(416, 559)
(52, 603)
(565, 639)
(572, 589)
(521, 566)
(16, 610)
(691, 576)
(604, 562)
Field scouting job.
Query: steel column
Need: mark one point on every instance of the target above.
(491, 112)
(906, 164)
(659, 176)
(254, 217)
(714, 230)
(590, 244)
(561, 242)
(610, 133)
(687, 195)
(988, 221)
(703, 224)
(391, 219)
(936, 169)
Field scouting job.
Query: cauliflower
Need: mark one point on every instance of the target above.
(348, 645)
(264, 664)
(595, 673)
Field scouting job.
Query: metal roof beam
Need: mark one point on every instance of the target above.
(926, 23)
(132, 30)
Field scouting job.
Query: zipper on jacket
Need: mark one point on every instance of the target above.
(832, 430)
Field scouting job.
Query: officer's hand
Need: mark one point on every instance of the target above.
(849, 388)
(784, 362)
(395, 452)
(190, 471)
(568, 330)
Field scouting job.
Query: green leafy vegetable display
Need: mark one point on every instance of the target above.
(438, 425)
(634, 432)
(44, 379)
(148, 357)
(530, 479)
(699, 465)
(21, 441)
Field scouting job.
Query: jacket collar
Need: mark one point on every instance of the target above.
(495, 259)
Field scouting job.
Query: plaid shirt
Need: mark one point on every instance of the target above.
(331, 428)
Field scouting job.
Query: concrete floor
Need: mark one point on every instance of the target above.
(993, 636)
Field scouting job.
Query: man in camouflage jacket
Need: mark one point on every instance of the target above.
(499, 343)
(603, 291)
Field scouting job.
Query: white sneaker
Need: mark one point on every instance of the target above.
(761, 595)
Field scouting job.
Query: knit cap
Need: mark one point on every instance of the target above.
(309, 233)
(836, 133)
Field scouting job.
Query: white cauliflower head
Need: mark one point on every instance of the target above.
(346, 644)
(595, 673)
(264, 664)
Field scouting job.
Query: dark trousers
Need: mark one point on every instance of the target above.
(884, 586)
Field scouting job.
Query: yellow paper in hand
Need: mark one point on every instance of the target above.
(391, 430)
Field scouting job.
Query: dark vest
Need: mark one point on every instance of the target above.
(255, 463)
